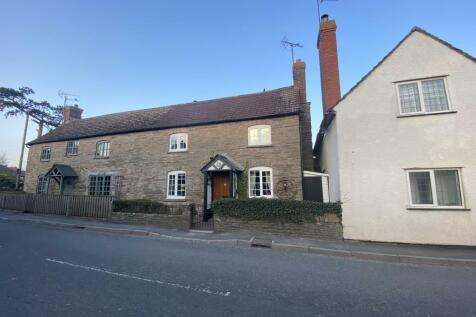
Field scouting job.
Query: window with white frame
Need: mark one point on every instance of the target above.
(178, 142)
(72, 147)
(439, 188)
(45, 153)
(261, 182)
(99, 185)
(176, 185)
(42, 185)
(423, 96)
(102, 149)
(259, 135)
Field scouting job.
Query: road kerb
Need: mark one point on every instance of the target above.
(290, 247)
(330, 252)
(384, 257)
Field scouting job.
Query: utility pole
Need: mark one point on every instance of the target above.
(27, 118)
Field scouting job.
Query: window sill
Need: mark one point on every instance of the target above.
(68, 155)
(175, 199)
(173, 152)
(425, 114)
(439, 208)
(266, 145)
(101, 158)
(44, 160)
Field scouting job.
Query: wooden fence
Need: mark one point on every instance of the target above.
(67, 205)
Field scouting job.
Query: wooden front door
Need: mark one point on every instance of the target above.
(220, 185)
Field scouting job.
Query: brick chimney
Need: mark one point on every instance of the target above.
(299, 83)
(71, 113)
(327, 46)
(299, 79)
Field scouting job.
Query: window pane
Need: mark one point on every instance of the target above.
(183, 143)
(265, 135)
(173, 142)
(448, 188)
(92, 185)
(420, 185)
(253, 136)
(181, 185)
(255, 183)
(266, 180)
(434, 95)
(171, 185)
(409, 98)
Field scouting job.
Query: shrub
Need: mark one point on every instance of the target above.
(279, 210)
(143, 206)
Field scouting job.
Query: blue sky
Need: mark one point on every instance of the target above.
(123, 55)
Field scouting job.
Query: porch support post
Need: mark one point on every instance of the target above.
(231, 184)
(205, 191)
(61, 185)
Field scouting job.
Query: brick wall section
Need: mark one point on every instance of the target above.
(329, 65)
(181, 222)
(327, 227)
(299, 80)
(143, 160)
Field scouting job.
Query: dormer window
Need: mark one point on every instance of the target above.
(72, 148)
(259, 135)
(178, 142)
(45, 154)
(423, 96)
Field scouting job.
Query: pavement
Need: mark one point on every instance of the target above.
(52, 270)
(386, 252)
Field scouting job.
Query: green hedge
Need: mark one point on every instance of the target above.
(143, 206)
(279, 210)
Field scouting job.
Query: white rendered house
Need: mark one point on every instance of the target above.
(400, 146)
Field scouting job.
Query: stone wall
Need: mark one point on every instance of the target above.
(327, 227)
(181, 222)
(140, 162)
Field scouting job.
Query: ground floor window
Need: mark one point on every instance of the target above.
(435, 188)
(176, 185)
(261, 182)
(99, 185)
(42, 185)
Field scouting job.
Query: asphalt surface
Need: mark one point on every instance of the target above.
(49, 271)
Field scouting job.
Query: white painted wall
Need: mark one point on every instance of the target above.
(374, 147)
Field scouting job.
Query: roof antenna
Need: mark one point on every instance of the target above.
(287, 44)
(67, 97)
(319, 9)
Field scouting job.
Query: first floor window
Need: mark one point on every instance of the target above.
(72, 147)
(100, 185)
(102, 149)
(423, 96)
(435, 188)
(259, 135)
(261, 182)
(178, 142)
(176, 185)
(42, 185)
(45, 153)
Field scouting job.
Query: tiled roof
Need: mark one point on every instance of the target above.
(278, 102)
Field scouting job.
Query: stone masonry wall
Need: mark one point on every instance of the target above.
(327, 227)
(181, 222)
(140, 161)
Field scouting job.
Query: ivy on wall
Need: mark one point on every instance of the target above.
(242, 183)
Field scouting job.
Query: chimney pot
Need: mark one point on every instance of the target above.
(324, 17)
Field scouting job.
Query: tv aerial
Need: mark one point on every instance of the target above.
(67, 97)
(287, 44)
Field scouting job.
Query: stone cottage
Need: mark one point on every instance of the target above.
(188, 153)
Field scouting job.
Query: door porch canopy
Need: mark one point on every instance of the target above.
(219, 163)
(60, 173)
